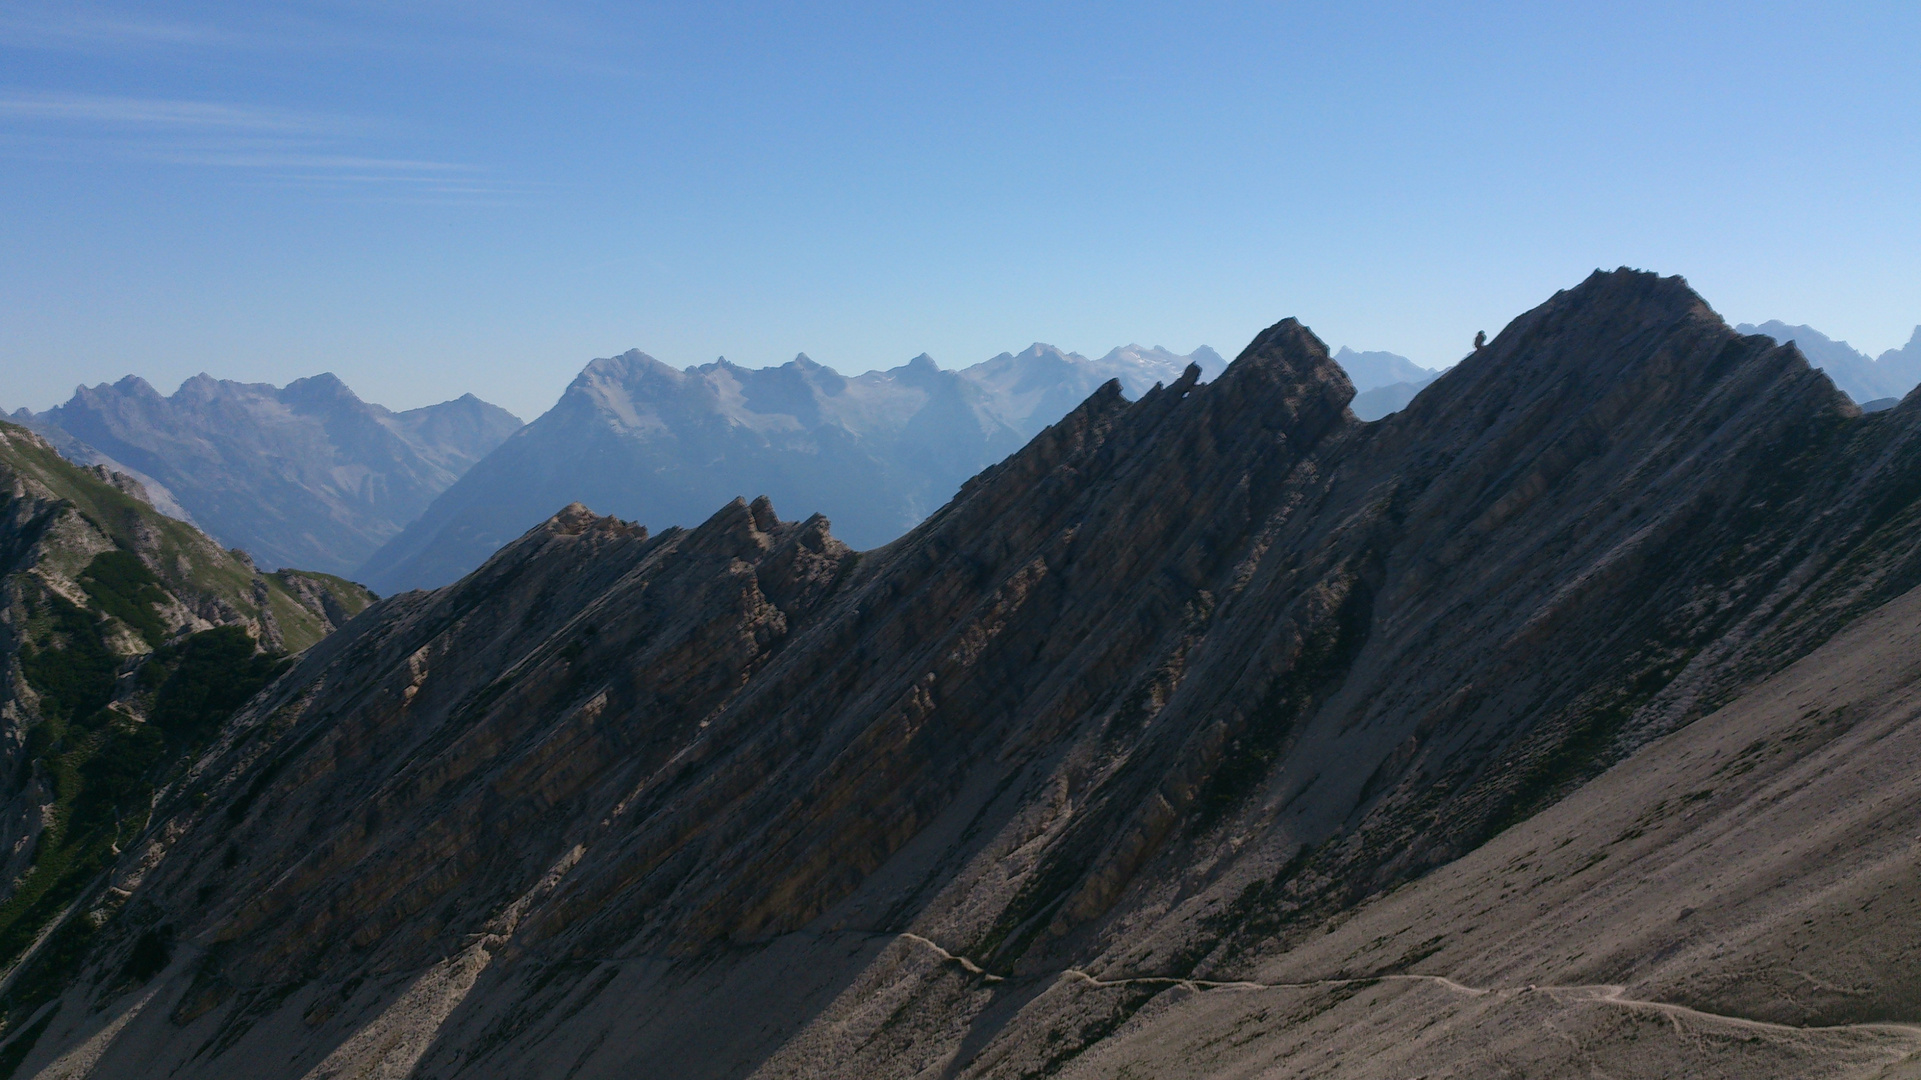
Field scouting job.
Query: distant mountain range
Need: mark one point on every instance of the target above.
(1383, 382)
(876, 452)
(1867, 381)
(304, 475)
(1368, 370)
(311, 475)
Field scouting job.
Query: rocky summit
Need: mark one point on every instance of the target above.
(1559, 722)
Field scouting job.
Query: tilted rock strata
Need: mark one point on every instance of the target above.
(1734, 900)
(1164, 695)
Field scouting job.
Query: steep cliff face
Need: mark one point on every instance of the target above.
(1155, 703)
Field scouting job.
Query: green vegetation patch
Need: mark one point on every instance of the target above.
(102, 783)
(125, 589)
(50, 972)
(69, 665)
(203, 567)
(352, 596)
(214, 673)
(103, 770)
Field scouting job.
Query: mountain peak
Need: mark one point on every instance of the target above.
(201, 387)
(1289, 353)
(1628, 293)
(324, 389)
(575, 518)
(130, 385)
(1040, 349)
(624, 367)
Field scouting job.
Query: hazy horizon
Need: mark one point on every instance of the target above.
(172, 386)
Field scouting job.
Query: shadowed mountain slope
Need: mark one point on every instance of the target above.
(1153, 707)
(302, 475)
(1734, 900)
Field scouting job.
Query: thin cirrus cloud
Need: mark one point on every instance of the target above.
(160, 113)
(61, 27)
(507, 34)
(283, 146)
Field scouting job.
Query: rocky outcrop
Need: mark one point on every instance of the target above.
(1155, 704)
(303, 475)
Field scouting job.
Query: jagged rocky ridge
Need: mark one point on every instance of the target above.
(1163, 700)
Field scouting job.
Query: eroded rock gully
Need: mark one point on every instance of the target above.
(1181, 686)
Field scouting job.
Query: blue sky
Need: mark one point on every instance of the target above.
(429, 198)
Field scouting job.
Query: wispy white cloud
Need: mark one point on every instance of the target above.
(561, 37)
(281, 146)
(68, 27)
(255, 159)
(171, 114)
